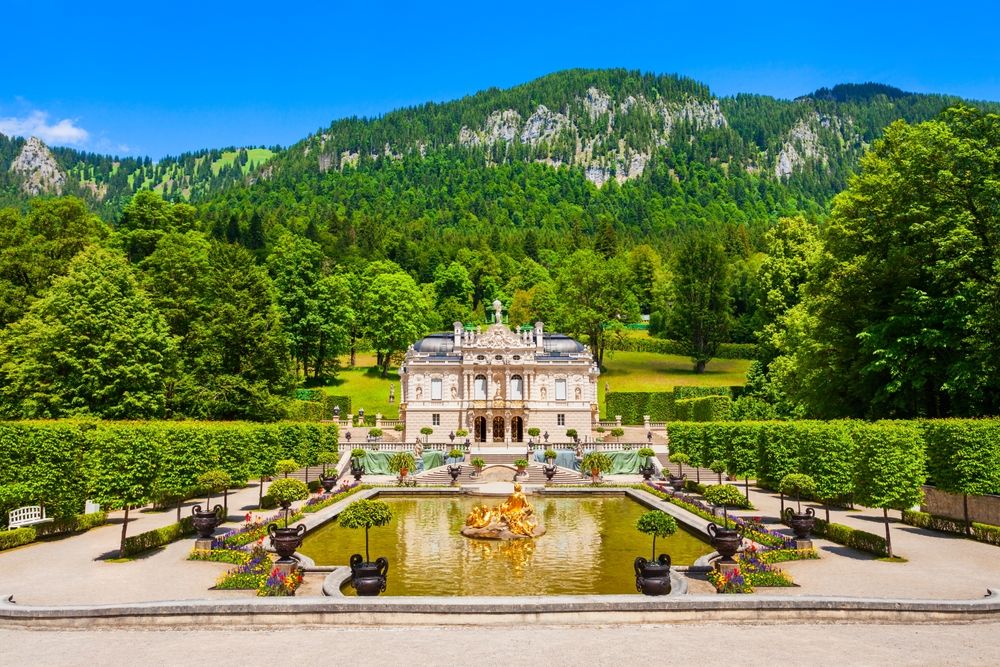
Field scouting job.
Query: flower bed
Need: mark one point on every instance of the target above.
(755, 569)
(252, 574)
(731, 582)
(279, 584)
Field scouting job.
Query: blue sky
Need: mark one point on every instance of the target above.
(162, 78)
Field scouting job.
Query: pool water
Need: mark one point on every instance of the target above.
(588, 548)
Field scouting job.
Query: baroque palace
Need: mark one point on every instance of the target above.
(497, 384)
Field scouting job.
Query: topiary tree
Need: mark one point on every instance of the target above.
(798, 485)
(889, 469)
(426, 432)
(358, 453)
(375, 432)
(461, 432)
(534, 431)
(286, 491)
(680, 458)
(325, 458)
(478, 463)
(645, 453)
(596, 463)
(521, 464)
(617, 433)
(214, 481)
(456, 453)
(658, 524)
(286, 466)
(365, 514)
(571, 433)
(550, 455)
(724, 496)
(718, 466)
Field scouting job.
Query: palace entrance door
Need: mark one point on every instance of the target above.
(479, 429)
(498, 429)
(516, 429)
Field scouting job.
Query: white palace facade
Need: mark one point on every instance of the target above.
(498, 383)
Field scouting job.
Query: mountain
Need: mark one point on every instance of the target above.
(645, 154)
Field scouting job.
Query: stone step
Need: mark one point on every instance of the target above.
(535, 472)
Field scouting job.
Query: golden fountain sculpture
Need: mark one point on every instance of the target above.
(512, 519)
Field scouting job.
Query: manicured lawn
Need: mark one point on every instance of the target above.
(625, 371)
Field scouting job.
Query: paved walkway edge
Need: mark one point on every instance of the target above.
(570, 610)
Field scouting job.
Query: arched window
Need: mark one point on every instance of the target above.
(479, 393)
(516, 388)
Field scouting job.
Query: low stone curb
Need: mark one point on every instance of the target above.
(583, 609)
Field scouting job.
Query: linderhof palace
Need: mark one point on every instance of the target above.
(498, 383)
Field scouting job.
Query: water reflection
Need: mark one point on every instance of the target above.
(589, 547)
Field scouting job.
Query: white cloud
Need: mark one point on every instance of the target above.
(36, 124)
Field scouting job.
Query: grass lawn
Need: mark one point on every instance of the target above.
(625, 371)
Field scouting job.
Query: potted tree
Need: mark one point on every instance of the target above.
(680, 459)
(600, 430)
(357, 467)
(367, 578)
(550, 455)
(718, 466)
(286, 540)
(402, 463)
(325, 458)
(375, 433)
(521, 465)
(798, 485)
(534, 431)
(571, 434)
(617, 433)
(596, 463)
(646, 467)
(205, 522)
(455, 458)
(478, 463)
(652, 577)
(286, 466)
(426, 432)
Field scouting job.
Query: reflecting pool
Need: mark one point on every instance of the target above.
(588, 548)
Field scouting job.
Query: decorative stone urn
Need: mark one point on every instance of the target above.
(652, 577)
(328, 482)
(369, 578)
(677, 482)
(286, 540)
(647, 471)
(727, 541)
(801, 524)
(357, 470)
(455, 470)
(205, 522)
(549, 470)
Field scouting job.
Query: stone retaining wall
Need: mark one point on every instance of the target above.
(982, 509)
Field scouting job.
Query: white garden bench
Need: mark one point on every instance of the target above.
(26, 516)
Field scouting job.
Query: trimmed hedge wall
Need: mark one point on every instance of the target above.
(17, 537)
(42, 462)
(704, 409)
(73, 524)
(315, 405)
(151, 539)
(659, 405)
(666, 346)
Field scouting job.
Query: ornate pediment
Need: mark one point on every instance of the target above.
(498, 337)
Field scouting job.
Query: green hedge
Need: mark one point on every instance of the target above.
(42, 462)
(851, 537)
(704, 409)
(318, 406)
(666, 346)
(73, 524)
(962, 454)
(17, 537)
(157, 538)
(659, 405)
(981, 532)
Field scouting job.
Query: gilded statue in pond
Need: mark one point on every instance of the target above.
(512, 519)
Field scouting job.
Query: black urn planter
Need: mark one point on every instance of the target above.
(801, 524)
(286, 540)
(369, 579)
(455, 471)
(677, 482)
(205, 522)
(357, 470)
(647, 471)
(727, 541)
(652, 577)
(328, 483)
(549, 471)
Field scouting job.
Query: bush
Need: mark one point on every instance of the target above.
(456, 453)
(980, 532)
(726, 495)
(645, 453)
(376, 432)
(286, 467)
(401, 460)
(851, 537)
(288, 490)
(74, 524)
(694, 487)
(478, 462)
(797, 485)
(595, 461)
(666, 346)
(157, 538)
(751, 408)
(549, 454)
(358, 453)
(703, 409)
(17, 537)
(521, 463)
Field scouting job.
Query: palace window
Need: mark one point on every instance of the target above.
(560, 420)
(480, 388)
(516, 388)
(560, 390)
(436, 390)
(435, 420)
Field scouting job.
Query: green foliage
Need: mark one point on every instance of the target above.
(889, 469)
(220, 556)
(703, 409)
(214, 480)
(798, 485)
(375, 432)
(461, 432)
(571, 433)
(962, 455)
(656, 522)
(726, 495)
(851, 537)
(17, 537)
(456, 453)
(327, 457)
(287, 490)
(426, 430)
(358, 453)
(395, 314)
(74, 524)
(617, 432)
(365, 514)
(401, 461)
(286, 467)
(151, 539)
(717, 466)
(549, 454)
(667, 346)
(980, 532)
(534, 432)
(598, 461)
(521, 463)
(479, 462)
(645, 453)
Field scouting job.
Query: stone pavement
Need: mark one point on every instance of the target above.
(552, 646)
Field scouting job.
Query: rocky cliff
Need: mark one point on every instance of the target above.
(37, 169)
